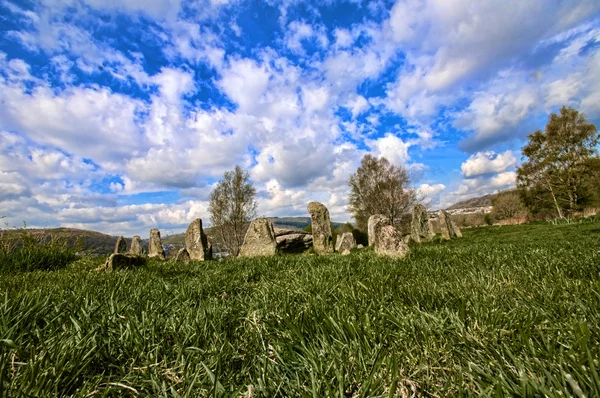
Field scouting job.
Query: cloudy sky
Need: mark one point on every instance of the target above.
(120, 115)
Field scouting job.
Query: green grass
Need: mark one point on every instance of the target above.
(505, 311)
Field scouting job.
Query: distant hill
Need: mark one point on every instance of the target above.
(481, 201)
(91, 241)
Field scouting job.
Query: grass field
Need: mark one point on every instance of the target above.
(504, 311)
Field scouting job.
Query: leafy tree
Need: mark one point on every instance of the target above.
(232, 207)
(556, 167)
(507, 205)
(379, 187)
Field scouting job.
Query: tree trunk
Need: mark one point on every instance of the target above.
(558, 209)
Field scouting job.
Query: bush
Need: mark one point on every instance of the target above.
(21, 250)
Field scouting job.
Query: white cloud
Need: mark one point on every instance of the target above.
(488, 162)
(392, 148)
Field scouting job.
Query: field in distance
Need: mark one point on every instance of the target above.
(505, 311)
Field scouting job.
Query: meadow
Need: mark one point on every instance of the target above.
(504, 311)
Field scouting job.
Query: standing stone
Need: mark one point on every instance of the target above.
(182, 256)
(259, 239)
(389, 243)
(448, 231)
(345, 242)
(121, 245)
(419, 229)
(196, 242)
(321, 228)
(376, 222)
(457, 230)
(136, 249)
(155, 248)
(123, 261)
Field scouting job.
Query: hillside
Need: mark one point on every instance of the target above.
(504, 311)
(481, 201)
(91, 241)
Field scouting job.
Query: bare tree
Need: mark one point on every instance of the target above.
(232, 207)
(508, 205)
(379, 187)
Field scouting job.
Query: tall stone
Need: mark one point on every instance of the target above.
(321, 228)
(121, 245)
(419, 228)
(196, 242)
(259, 239)
(182, 256)
(375, 223)
(136, 248)
(345, 243)
(457, 230)
(155, 248)
(446, 227)
(389, 243)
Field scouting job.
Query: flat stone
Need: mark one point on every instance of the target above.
(124, 261)
(389, 243)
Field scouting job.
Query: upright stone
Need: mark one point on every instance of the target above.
(155, 248)
(345, 242)
(121, 245)
(446, 227)
(389, 243)
(136, 248)
(419, 229)
(321, 228)
(457, 230)
(196, 242)
(259, 239)
(376, 222)
(182, 256)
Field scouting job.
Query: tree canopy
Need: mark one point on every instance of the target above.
(379, 187)
(232, 206)
(559, 163)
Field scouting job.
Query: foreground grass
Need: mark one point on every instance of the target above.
(504, 311)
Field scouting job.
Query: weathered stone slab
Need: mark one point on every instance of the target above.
(375, 223)
(182, 256)
(446, 227)
(457, 230)
(420, 231)
(121, 245)
(124, 261)
(321, 228)
(196, 242)
(389, 243)
(359, 246)
(259, 239)
(155, 248)
(136, 248)
(345, 242)
(291, 241)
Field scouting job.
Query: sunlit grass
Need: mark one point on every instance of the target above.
(504, 311)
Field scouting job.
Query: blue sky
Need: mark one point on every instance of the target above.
(120, 115)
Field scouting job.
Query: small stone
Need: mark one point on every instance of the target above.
(259, 239)
(375, 223)
(359, 246)
(291, 241)
(345, 242)
(123, 261)
(121, 245)
(345, 252)
(182, 256)
(389, 243)
(196, 242)
(321, 228)
(137, 248)
(155, 248)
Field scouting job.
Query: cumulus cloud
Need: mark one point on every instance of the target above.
(488, 162)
